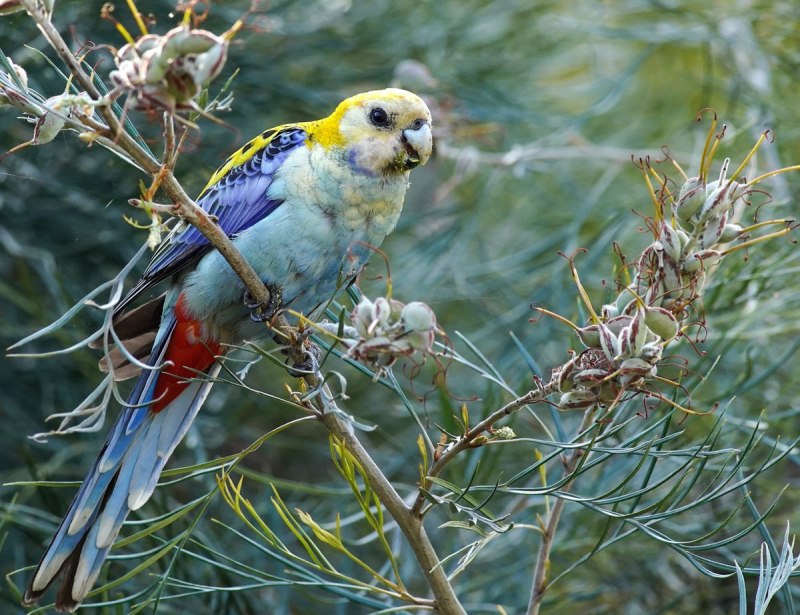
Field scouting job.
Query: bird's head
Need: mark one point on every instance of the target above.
(380, 132)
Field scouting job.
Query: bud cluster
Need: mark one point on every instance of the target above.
(625, 343)
(167, 72)
(388, 329)
(671, 271)
(621, 354)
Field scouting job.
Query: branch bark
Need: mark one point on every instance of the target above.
(409, 523)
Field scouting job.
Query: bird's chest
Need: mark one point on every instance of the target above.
(316, 240)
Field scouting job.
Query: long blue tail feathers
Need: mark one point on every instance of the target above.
(121, 479)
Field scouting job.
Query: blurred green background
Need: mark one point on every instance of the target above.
(538, 108)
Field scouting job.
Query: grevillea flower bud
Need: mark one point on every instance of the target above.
(419, 325)
(661, 322)
(670, 241)
(690, 199)
(731, 232)
(714, 229)
(576, 399)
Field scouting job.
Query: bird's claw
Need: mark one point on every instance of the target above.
(260, 312)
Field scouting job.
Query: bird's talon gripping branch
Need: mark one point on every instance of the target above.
(260, 312)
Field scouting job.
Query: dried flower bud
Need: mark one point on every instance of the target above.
(651, 352)
(504, 433)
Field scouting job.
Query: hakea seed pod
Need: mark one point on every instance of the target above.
(661, 322)
(690, 199)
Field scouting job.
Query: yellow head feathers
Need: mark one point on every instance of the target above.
(382, 131)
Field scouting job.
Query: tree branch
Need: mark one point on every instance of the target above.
(539, 585)
(466, 441)
(409, 523)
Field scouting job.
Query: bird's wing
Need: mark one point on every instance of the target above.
(236, 196)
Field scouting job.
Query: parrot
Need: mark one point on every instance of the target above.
(305, 204)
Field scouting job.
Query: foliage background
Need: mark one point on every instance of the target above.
(582, 86)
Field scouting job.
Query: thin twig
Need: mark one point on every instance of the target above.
(465, 441)
(539, 585)
(409, 523)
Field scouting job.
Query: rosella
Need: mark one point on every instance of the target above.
(303, 203)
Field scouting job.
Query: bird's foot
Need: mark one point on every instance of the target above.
(260, 312)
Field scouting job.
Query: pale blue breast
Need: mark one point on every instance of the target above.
(310, 245)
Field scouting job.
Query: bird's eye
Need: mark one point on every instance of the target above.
(379, 117)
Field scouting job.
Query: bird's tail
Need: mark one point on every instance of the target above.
(160, 410)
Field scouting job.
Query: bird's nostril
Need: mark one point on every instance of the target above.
(417, 124)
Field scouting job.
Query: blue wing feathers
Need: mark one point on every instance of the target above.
(238, 200)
